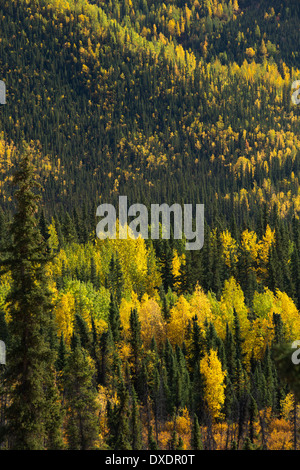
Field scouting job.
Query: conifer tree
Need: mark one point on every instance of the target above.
(114, 319)
(55, 414)
(278, 329)
(95, 350)
(217, 274)
(173, 443)
(115, 279)
(270, 380)
(152, 444)
(248, 445)
(211, 337)
(135, 341)
(80, 400)
(238, 340)
(252, 416)
(274, 272)
(107, 352)
(165, 307)
(82, 331)
(180, 444)
(198, 403)
(230, 353)
(4, 232)
(234, 445)
(136, 426)
(295, 272)
(185, 282)
(196, 268)
(167, 266)
(69, 230)
(247, 276)
(30, 363)
(197, 348)
(230, 399)
(93, 274)
(43, 226)
(122, 437)
(197, 443)
(61, 360)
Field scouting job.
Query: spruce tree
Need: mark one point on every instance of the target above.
(197, 346)
(196, 435)
(107, 350)
(278, 329)
(115, 278)
(238, 338)
(135, 342)
(248, 445)
(81, 328)
(165, 309)
(30, 362)
(152, 444)
(230, 353)
(95, 350)
(184, 280)
(93, 274)
(122, 441)
(180, 444)
(252, 416)
(114, 319)
(43, 226)
(173, 442)
(167, 266)
(80, 400)
(61, 360)
(198, 393)
(55, 414)
(69, 230)
(136, 425)
(4, 232)
(269, 375)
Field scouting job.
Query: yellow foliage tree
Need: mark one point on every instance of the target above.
(287, 405)
(214, 386)
(152, 323)
(230, 248)
(201, 306)
(172, 27)
(263, 251)
(64, 314)
(289, 315)
(125, 308)
(249, 243)
(180, 315)
(232, 298)
(53, 238)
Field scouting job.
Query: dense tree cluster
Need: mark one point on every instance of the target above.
(140, 344)
(128, 348)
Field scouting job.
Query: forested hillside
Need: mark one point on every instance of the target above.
(149, 345)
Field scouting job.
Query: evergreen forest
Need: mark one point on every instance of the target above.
(139, 344)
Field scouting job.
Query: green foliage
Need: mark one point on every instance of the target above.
(80, 401)
(169, 102)
(30, 378)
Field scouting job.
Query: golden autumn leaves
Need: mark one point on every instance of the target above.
(214, 389)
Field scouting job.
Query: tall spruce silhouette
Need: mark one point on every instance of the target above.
(30, 376)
